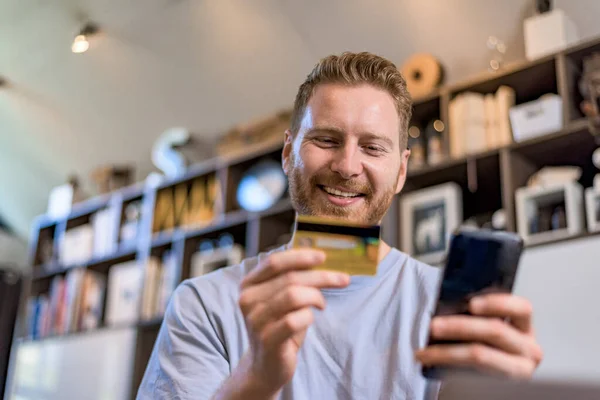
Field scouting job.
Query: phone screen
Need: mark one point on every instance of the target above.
(478, 262)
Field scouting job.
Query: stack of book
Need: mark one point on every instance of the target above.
(480, 122)
(162, 276)
(73, 303)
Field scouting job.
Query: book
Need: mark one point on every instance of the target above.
(168, 282)
(124, 293)
(92, 297)
(76, 246)
(56, 306)
(491, 125)
(73, 283)
(151, 281)
(474, 122)
(104, 224)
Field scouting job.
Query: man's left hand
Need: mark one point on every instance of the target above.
(504, 344)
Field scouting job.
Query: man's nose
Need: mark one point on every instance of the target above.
(347, 162)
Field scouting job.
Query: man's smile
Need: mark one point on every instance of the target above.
(340, 192)
(341, 197)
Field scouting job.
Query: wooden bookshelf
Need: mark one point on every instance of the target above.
(497, 174)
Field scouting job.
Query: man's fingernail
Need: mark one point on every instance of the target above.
(343, 278)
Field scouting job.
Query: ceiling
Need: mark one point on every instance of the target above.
(201, 64)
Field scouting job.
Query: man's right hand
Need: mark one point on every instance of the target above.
(276, 299)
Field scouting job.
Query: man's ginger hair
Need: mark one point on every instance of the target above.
(355, 69)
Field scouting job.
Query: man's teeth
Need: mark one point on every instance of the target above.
(339, 192)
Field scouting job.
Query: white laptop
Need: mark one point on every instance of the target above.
(485, 388)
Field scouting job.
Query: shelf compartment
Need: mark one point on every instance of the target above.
(235, 173)
(573, 145)
(276, 228)
(573, 59)
(530, 80)
(485, 171)
(189, 201)
(55, 269)
(43, 250)
(426, 111)
(239, 233)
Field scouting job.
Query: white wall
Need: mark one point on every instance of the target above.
(563, 283)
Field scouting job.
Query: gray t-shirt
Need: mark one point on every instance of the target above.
(362, 346)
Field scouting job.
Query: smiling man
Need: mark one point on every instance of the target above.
(273, 327)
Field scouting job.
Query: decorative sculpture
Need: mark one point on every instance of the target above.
(176, 149)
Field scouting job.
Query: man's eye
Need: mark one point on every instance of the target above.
(374, 150)
(324, 140)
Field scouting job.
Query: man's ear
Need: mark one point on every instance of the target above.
(403, 170)
(287, 149)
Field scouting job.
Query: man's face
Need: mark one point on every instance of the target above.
(345, 160)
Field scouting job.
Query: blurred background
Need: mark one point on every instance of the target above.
(140, 145)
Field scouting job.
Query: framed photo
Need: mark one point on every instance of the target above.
(549, 212)
(208, 261)
(428, 218)
(592, 208)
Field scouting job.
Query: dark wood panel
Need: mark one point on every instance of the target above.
(425, 112)
(508, 198)
(520, 170)
(275, 229)
(564, 86)
(143, 350)
(529, 79)
(417, 101)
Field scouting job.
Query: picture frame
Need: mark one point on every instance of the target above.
(592, 208)
(531, 202)
(206, 262)
(428, 218)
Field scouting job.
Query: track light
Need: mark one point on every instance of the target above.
(81, 42)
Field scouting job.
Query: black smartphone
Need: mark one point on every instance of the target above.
(479, 261)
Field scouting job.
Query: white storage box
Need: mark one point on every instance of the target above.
(529, 201)
(536, 118)
(548, 33)
(592, 206)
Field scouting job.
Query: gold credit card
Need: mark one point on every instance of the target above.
(349, 248)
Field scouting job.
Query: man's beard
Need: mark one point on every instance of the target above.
(307, 201)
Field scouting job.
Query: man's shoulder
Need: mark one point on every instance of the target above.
(427, 276)
(428, 272)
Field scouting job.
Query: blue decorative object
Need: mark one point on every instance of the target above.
(262, 186)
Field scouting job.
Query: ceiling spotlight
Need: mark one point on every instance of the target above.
(81, 42)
